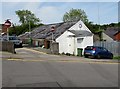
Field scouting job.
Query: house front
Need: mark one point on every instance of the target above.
(75, 39)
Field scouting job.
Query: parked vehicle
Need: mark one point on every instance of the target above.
(17, 42)
(97, 52)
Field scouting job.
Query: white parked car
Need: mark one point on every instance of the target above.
(17, 42)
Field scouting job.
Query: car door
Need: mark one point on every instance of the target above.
(105, 53)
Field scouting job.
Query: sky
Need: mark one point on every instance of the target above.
(52, 11)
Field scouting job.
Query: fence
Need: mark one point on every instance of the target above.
(113, 47)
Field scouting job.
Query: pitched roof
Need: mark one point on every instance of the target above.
(81, 33)
(44, 32)
(111, 31)
(117, 33)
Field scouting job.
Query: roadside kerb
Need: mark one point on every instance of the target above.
(10, 56)
(80, 58)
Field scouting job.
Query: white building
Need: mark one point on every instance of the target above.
(75, 38)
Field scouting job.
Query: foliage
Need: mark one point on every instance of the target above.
(116, 57)
(75, 15)
(27, 16)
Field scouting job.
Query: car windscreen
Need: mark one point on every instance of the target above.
(13, 38)
(89, 48)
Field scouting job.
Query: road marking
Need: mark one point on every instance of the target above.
(33, 50)
(14, 59)
(67, 61)
(90, 62)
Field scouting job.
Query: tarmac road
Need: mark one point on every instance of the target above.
(29, 68)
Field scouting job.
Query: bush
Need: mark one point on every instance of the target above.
(63, 53)
(116, 57)
(68, 54)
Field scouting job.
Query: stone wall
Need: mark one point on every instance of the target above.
(54, 48)
(7, 46)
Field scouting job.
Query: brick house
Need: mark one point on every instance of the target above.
(117, 36)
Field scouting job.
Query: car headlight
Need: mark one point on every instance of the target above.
(93, 51)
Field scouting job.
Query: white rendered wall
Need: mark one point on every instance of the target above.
(66, 44)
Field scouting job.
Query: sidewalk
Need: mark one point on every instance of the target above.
(64, 58)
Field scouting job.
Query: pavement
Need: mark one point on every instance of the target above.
(58, 58)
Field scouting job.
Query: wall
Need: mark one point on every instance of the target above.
(77, 26)
(85, 41)
(66, 43)
(106, 37)
(7, 46)
(54, 47)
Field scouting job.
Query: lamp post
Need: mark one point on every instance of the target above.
(7, 24)
(52, 30)
(30, 40)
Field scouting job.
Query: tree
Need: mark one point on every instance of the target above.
(27, 16)
(75, 15)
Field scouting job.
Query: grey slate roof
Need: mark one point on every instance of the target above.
(111, 31)
(43, 32)
(81, 33)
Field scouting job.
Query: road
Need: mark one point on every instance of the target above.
(30, 68)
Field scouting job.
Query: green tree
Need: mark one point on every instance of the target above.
(27, 16)
(75, 15)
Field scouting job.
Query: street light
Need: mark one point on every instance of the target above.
(52, 30)
(30, 40)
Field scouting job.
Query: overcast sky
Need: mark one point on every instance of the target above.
(53, 11)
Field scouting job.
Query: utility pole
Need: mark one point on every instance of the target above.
(52, 30)
(30, 39)
(100, 33)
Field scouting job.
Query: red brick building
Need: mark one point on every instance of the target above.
(3, 29)
(117, 36)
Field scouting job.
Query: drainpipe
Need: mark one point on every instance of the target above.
(74, 46)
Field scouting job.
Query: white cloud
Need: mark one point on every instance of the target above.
(49, 14)
(32, 6)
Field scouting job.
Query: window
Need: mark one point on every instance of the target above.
(79, 40)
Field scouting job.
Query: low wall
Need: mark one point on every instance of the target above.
(54, 47)
(7, 46)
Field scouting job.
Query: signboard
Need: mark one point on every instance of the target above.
(7, 23)
(52, 29)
